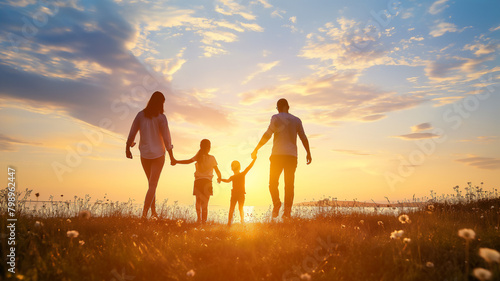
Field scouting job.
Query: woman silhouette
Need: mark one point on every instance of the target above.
(155, 138)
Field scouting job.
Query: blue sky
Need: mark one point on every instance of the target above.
(397, 98)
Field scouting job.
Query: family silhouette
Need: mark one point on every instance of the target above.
(155, 139)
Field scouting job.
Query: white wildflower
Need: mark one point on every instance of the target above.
(72, 233)
(482, 274)
(467, 233)
(396, 234)
(489, 255)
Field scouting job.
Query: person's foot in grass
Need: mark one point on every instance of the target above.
(276, 210)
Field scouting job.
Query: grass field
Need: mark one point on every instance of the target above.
(118, 246)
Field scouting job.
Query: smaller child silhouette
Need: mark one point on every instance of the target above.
(238, 191)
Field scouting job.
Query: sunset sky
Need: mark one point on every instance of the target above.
(397, 98)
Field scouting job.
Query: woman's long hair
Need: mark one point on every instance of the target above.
(155, 105)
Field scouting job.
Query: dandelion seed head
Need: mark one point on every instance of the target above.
(81, 242)
(406, 240)
(72, 233)
(68, 220)
(467, 233)
(429, 264)
(362, 222)
(342, 226)
(380, 223)
(430, 208)
(396, 234)
(38, 224)
(489, 255)
(305, 276)
(190, 273)
(404, 219)
(482, 274)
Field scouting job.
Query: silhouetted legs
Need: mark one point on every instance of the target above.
(241, 201)
(152, 168)
(202, 191)
(280, 163)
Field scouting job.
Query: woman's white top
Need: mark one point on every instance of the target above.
(154, 134)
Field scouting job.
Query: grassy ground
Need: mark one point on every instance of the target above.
(328, 247)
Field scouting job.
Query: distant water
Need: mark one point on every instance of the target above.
(216, 213)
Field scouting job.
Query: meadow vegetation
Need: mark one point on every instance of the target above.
(102, 240)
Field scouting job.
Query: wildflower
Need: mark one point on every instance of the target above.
(489, 255)
(38, 224)
(429, 264)
(406, 240)
(482, 274)
(179, 223)
(356, 227)
(396, 234)
(72, 233)
(431, 208)
(37, 195)
(154, 218)
(190, 273)
(493, 207)
(404, 219)
(362, 222)
(380, 223)
(342, 226)
(68, 220)
(81, 242)
(467, 233)
(305, 276)
(85, 214)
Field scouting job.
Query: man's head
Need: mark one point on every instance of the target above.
(282, 105)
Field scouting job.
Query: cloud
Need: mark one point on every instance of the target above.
(494, 28)
(352, 152)
(441, 28)
(91, 74)
(263, 67)
(421, 127)
(481, 49)
(230, 7)
(487, 163)
(264, 3)
(278, 13)
(9, 143)
(438, 6)
(457, 68)
(483, 139)
(347, 44)
(418, 136)
(329, 99)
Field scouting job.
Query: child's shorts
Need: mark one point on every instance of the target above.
(203, 187)
(237, 197)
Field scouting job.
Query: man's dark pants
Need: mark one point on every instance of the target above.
(280, 163)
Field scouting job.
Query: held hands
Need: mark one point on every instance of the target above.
(173, 161)
(254, 154)
(219, 180)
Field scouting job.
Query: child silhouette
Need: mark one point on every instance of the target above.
(205, 166)
(238, 191)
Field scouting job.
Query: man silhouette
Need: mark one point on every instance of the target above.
(285, 128)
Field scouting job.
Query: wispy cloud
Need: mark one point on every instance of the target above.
(421, 127)
(263, 67)
(487, 163)
(417, 136)
(10, 144)
(352, 152)
(441, 28)
(438, 6)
